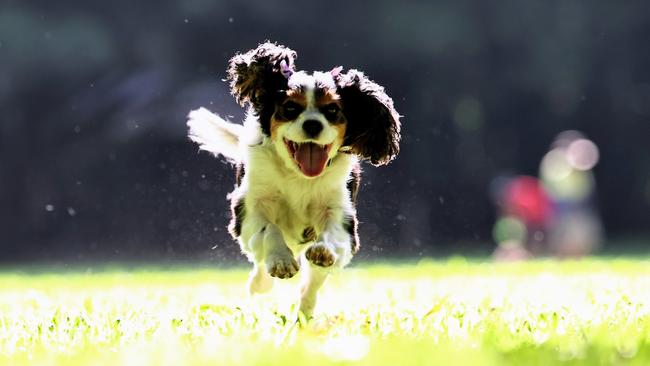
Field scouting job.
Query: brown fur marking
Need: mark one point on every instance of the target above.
(238, 211)
(308, 235)
(351, 223)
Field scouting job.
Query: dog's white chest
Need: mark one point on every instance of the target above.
(299, 207)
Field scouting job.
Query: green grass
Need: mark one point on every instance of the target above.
(455, 312)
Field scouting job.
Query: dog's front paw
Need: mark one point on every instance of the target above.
(282, 266)
(320, 255)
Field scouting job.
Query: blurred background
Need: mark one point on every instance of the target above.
(95, 163)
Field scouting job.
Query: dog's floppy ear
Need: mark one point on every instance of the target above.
(373, 130)
(255, 75)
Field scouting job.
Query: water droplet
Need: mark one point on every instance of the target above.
(231, 20)
(49, 208)
(71, 211)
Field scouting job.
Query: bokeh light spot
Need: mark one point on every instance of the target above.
(509, 228)
(582, 154)
(555, 165)
(468, 114)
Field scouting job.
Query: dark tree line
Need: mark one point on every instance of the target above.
(95, 164)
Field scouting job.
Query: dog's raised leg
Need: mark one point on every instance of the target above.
(270, 256)
(278, 258)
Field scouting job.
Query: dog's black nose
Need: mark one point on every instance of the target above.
(312, 127)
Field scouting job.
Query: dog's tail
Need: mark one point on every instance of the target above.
(215, 135)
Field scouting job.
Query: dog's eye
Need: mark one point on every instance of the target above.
(331, 111)
(291, 110)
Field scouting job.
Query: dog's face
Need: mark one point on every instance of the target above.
(308, 125)
(312, 117)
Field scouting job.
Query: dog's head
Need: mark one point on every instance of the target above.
(312, 117)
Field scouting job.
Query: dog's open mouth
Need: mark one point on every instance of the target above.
(311, 158)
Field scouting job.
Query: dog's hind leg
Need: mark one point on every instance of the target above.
(333, 250)
(259, 280)
(313, 278)
(251, 241)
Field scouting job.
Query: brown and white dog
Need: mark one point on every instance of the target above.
(297, 156)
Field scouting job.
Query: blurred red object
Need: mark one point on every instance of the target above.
(525, 197)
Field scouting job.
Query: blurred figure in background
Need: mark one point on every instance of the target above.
(555, 214)
(575, 228)
(524, 212)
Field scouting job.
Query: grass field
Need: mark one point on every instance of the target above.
(454, 312)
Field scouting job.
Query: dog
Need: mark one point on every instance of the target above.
(297, 158)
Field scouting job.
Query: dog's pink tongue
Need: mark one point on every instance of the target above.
(311, 158)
